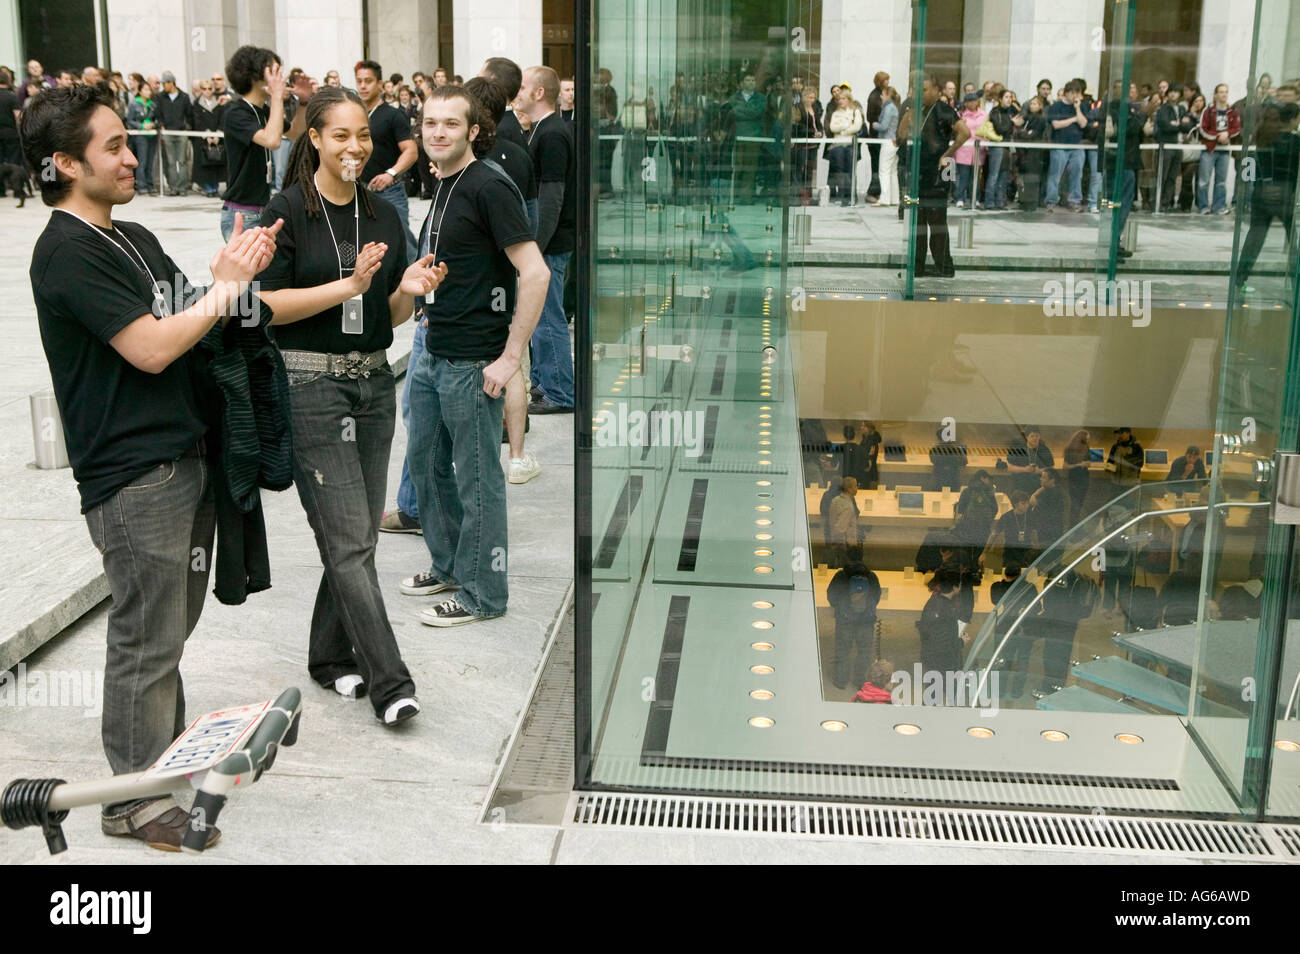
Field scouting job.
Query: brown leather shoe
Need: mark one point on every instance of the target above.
(159, 824)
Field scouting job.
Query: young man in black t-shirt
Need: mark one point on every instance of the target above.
(394, 151)
(506, 74)
(111, 305)
(478, 227)
(254, 126)
(550, 140)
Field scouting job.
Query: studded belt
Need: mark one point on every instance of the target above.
(354, 364)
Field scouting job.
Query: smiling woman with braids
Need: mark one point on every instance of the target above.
(337, 285)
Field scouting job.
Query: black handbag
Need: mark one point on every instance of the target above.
(214, 153)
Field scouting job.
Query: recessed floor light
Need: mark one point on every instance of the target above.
(834, 725)
(762, 647)
(762, 536)
(762, 551)
(1286, 745)
(762, 568)
(762, 669)
(761, 604)
(761, 624)
(761, 694)
(763, 483)
(1128, 738)
(906, 728)
(762, 722)
(1053, 735)
(980, 732)
(763, 508)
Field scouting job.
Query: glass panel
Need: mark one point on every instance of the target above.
(1245, 644)
(1027, 436)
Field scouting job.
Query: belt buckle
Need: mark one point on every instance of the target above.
(353, 362)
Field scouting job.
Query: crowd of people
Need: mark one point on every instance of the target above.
(1048, 493)
(173, 427)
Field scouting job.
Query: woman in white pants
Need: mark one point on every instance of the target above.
(886, 128)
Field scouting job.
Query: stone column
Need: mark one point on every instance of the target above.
(485, 28)
(319, 36)
(404, 36)
(1055, 41)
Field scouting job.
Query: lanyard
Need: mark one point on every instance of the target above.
(356, 215)
(138, 261)
(428, 230)
(264, 149)
(532, 132)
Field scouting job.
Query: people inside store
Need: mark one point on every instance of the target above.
(1126, 458)
(842, 522)
(876, 690)
(1027, 458)
(1187, 470)
(947, 460)
(941, 642)
(854, 593)
(1014, 531)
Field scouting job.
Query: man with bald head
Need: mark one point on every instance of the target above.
(550, 141)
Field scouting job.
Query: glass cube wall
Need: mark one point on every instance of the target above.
(934, 464)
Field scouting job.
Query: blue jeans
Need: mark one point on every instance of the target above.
(995, 187)
(342, 437)
(228, 220)
(965, 179)
(1069, 161)
(147, 534)
(1217, 162)
(396, 196)
(454, 449)
(145, 148)
(407, 501)
(1094, 181)
(552, 354)
(279, 161)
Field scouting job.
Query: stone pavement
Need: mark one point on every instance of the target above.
(350, 791)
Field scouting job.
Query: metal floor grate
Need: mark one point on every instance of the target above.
(542, 758)
(1202, 840)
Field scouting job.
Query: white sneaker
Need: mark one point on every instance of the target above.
(523, 469)
(350, 687)
(400, 711)
(425, 584)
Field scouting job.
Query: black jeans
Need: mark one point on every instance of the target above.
(155, 535)
(932, 216)
(853, 645)
(342, 435)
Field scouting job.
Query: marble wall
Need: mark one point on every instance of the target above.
(1054, 40)
(1224, 54)
(404, 36)
(486, 28)
(319, 35)
(858, 39)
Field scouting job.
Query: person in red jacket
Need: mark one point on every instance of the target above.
(1220, 124)
(876, 688)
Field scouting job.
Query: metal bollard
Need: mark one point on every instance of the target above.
(966, 231)
(47, 432)
(802, 228)
(1131, 234)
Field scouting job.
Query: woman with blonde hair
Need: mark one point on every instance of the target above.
(843, 127)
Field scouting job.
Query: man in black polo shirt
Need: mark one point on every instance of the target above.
(478, 227)
(550, 140)
(394, 150)
(117, 335)
(254, 126)
(938, 127)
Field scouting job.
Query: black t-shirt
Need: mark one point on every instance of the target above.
(510, 130)
(1022, 455)
(471, 221)
(388, 127)
(306, 256)
(118, 421)
(937, 122)
(8, 103)
(551, 144)
(248, 176)
(518, 165)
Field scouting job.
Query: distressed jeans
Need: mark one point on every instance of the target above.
(552, 351)
(251, 219)
(454, 449)
(342, 435)
(1216, 162)
(155, 535)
